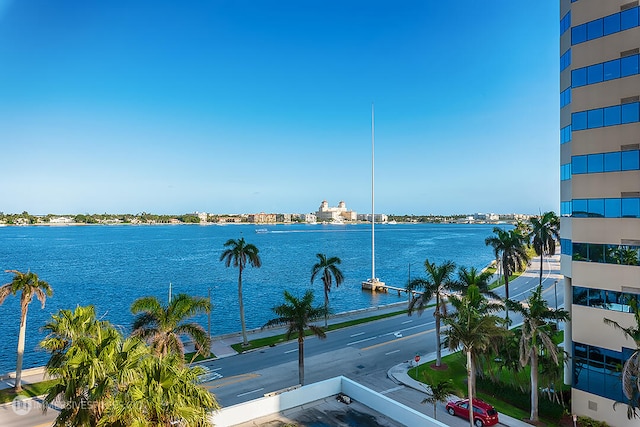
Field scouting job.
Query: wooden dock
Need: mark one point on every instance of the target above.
(376, 285)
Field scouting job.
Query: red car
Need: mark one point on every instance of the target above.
(483, 413)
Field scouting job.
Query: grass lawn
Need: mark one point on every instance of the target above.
(505, 399)
(29, 390)
(277, 339)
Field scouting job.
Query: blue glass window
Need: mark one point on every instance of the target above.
(594, 74)
(629, 19)
(565, 60)
(595, 207)
(630, 160)
(595, 118)
(579, 120)
(612, 115)
(579, 208)
(565, 134)
(611, 70)
(565, 97)
(579, 77)
(595, 163)
(629, 65)
(612, 162)
(631, 112)
(565, 23)
(594, 29)
(631, 207)
(565, 209)
(612, 208)
(579, 165)
(579, 34)
(565, 172)
(611, 24)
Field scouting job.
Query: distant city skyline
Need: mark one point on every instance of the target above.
(237, 107)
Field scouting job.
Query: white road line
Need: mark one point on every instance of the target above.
(357, 335)
(400, 387)
(407, 321)
(359, 341)
(216, 369)
(249, 392)
(391, 352)
(290, 351)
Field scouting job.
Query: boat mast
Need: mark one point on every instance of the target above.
(373, 216)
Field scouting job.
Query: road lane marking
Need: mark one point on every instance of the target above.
(397, 339)
(391, 390)
(391, 352)
(363, 340)
(357, 335)
(290, 351)
(250, 392)
(231, 380)
(407, 321)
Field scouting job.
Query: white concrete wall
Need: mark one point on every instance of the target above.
(264, 406)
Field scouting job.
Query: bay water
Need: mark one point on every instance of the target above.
(111, 266)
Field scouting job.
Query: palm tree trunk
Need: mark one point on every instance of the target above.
(534, 384)
(301, 359)
(506, 273)
(470, 387)
(245, 342)
(473, 374)
(326, 304)
(21, 339)
(541, 256)
(436, 314)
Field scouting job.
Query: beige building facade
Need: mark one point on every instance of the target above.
(600, 196)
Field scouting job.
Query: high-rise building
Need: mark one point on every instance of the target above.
(600, 196)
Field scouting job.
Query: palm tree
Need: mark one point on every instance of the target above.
(166, 394)
(29, 285)
(437, 283)
(297, 315)
(545, 232)
(474, 332)
(162, 325)
(535, 337)
(510, 247)
(239, 253)
(439, 392)
(104, 379)
(87, 362)
(631, 367)
(468, 277)
(330, 271)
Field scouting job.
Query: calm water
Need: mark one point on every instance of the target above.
(111, 266)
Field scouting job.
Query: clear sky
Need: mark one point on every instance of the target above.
(241, 106)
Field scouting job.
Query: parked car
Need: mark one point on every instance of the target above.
(483, 413)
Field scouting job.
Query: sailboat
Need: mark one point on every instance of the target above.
(373, 283)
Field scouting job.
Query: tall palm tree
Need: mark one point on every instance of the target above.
(298, 314)
(473, 327)
(29, 285)
(436, 285)
(536, 336)
(439, 392)
(631, 367)
(545, 232)
(330, 271)
(468, 277)
(162, 325)
(510, 247)
(238, 253)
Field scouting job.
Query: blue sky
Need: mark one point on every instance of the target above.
(249, 106)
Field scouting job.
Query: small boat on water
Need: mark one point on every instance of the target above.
(261, 230)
